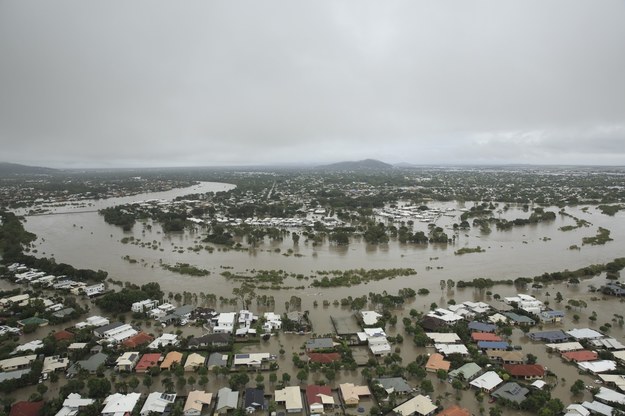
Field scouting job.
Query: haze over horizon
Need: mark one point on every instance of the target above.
(158, 84)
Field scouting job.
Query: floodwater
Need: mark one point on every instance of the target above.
(84, 240)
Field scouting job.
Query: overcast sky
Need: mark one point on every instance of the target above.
(181, 83)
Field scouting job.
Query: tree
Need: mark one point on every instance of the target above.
(443, 284)
(577, 387)
(457, 384)
(531, 358)
(426, 386)
(147, 381)
(273, 377)
(134, 383)
(286, 378)
(98, 387)
(302, 375)
(441, 374)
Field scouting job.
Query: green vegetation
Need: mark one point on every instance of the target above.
(467, 250)
(185, 268)
(336, 278)
(610, 209)
(602, 237)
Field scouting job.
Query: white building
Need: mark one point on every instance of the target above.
(418, 405)
(224, 323)
(93, 321)
(94, 290)
(273, 322)
(120, 404)
(54, 363)
(72, 405)
(144, 305)
(157, 403)
(163, 341)
(291, 397)
(196, 400)
(487, 381)
(251, 359)
(370, 318)
(246, 318)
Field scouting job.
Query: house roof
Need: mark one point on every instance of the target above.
(62, 335)
(397, 384)
(521, 319)
(437, 362)
(420, 405)
(525, 370)
(493, 345)
(120, 403)
(26, 409)
(443, 338)
(315, 394)
(351, 393)
(485, 336)
(217, 359)
(210, 339)
(447, 349)
(147, 361)
(194, 360)
(516, 356)
(324, 358)
(511, 391)
(482, 327)
(601, 366)
(226, 398)
(487, 381)
(291, 397)
(468, 371)
(549, 336)
(158, 402)
(319, 344)
(196, 399)
(171, 358)
(566, 346)
(584, 333)
(91, 364)
(583, 355)
(136, 340)
(254, 398)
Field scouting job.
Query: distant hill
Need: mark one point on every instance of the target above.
(367, 164)
(10, 169)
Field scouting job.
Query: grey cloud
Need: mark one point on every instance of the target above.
(170, 83)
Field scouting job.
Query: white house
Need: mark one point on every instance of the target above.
(273, 321)
(144, 305)
(94, 290)
(157, 403)
(120, 404)
(291, 397)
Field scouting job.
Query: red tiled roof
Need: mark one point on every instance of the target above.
(63, 335)
(26, 409)
(147, 361)
(485, 336)
(324, 358)
(312, 392)
(577, 356)
(455, 410)
(525, 370)
(139, 339)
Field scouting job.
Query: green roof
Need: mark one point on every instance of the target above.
(33, 320)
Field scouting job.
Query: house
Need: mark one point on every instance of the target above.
(115, 332)
(63, 313)
(62, 336)
(196, 400)
(370, 318)
(127, 361)
(447, 349)
(520, 320)
(445, 315)
(54, 363)
(584, 333)
(617, 380)
(468, 371)
(194, 361)
(379, 346)
(158, 403)
(437, 362)
(254, 400)
(443, 338)
(487, 381)
(29, 346)
(72, 405)
(498, 318)
(610, 396)
(351, 393)
(144, 305)
(485, 336)
(217, 359)
(17, 363)
(94, 290)
(120, 404)
(418, 405)
(608, 344)
(226, 400)
(482, 327)
(576, 410)
(89, 365)
(246, 318)
(224, 323)
(394, 385)
(137, 340)
(252, 359)
(316, 344)
(273, 322)
(27, 408)
(147, 361)
(549, 336)
(596, 367)
(579, 356)
(565, 346)
(220, 340)
(525, 371)
(506, 357)
(454, 410)
(291, 397)
(598, 408)
(319, 397)
(613, 289)
(171, 359)
(551, 316)
(526, 303)
(493, 345)
(512, 392)
(93, 321)
(164, 341)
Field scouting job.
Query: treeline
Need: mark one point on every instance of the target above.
(357, 276)
(119, 216)
(13, 236)
(120, 302)
(539, 215)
